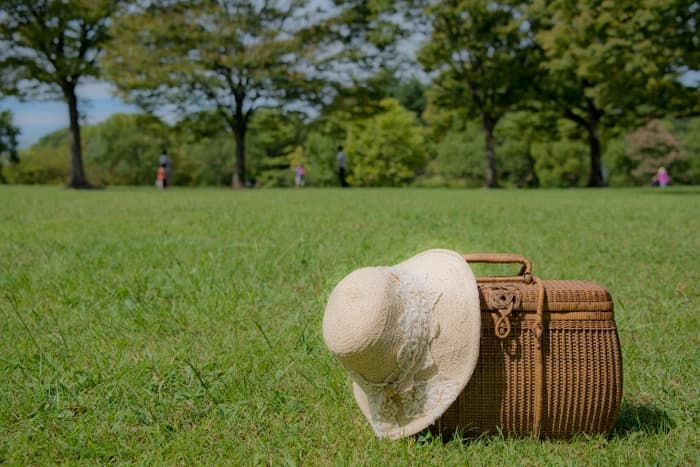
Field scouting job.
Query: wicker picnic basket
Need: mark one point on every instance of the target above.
(549, 359)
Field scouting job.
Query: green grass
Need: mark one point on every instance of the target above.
(184, 326)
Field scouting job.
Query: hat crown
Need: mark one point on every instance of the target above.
(359, 322)
(408, 335)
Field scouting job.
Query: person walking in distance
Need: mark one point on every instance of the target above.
(299, 173)
(165, 161)
(161, 179)
(342, 160)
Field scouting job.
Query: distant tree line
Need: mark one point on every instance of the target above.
(533, 93)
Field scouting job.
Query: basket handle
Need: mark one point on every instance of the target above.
(525, 274)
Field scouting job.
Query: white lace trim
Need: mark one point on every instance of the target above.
(400, 398)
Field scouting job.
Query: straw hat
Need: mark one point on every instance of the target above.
(408, 335)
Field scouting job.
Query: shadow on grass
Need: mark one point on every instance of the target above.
(645, 418)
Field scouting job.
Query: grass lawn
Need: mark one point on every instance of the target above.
(184, 326)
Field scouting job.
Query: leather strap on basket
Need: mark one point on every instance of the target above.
(502, 325)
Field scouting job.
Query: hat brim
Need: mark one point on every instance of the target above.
(455, 349)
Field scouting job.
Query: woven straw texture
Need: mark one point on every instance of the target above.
(580, 374)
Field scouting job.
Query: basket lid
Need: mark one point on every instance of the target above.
(560, 296)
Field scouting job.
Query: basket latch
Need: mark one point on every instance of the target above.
(504, 300)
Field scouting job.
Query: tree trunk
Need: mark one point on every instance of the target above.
(77, 173)
(239, 125)
(595, 178)
(491, 174)
(238, 180)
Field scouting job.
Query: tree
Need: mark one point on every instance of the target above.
(8, 142)
(610, 62)
(46, 48)
(233, 56)
(386, 149)
(480, 52)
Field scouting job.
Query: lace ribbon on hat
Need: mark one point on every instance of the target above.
(401, 398)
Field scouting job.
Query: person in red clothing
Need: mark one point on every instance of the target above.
(161, 179)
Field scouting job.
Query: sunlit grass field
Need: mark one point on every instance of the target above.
(183, 327)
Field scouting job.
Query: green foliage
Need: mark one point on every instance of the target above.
(584, 40)
(688, 131)
(387, 149)
(359, 36)
(459, 157)
(45, 162)
(411, 95)
(560, 163)
(617, 163)
(516, 166)
(320, 150)
(207, 161)
(54, 139)
(515, 135)
(362, 98)
(198, 125)
(273, 135)
(123, 150)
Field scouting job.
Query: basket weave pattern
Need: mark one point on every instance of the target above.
(580, 368)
